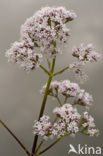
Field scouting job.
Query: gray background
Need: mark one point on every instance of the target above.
(20, 99)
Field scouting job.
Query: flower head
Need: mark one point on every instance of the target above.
(47, 29)
(89, 125)
(68, 88)
(64, 87)
(67, 123)
(84, 55)
(93, 132)
(43, 127)
(24, 56)
(45, 32)
(77, 68)
(84, 98)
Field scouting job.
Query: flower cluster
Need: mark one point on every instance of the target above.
(44, 32)
(68, 120)
(84, 98)
(84, 54)
(88, 124)
(47, 29)
(43, 127)
(68, 123)
(69, 89)
(65, 88)
(23, 55)
(77, 68)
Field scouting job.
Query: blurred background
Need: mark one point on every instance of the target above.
(20, 98)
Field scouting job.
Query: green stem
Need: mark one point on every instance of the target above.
(61, 71)
(65, 99)
(50, 146)
(55, 119)
(53, 64)
(13, 135)
(49, 65)
(58, 100)
(39, 147)
(44, 103)
(45, 70)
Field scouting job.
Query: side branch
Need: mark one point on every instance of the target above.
(50, 146)
(61, 71)
(45, 70)
(13, 135)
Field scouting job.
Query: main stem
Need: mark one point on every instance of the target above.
(44, 103)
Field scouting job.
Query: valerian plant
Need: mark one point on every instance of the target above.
(43, 37)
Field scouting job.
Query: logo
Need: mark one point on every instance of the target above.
(85, 150)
